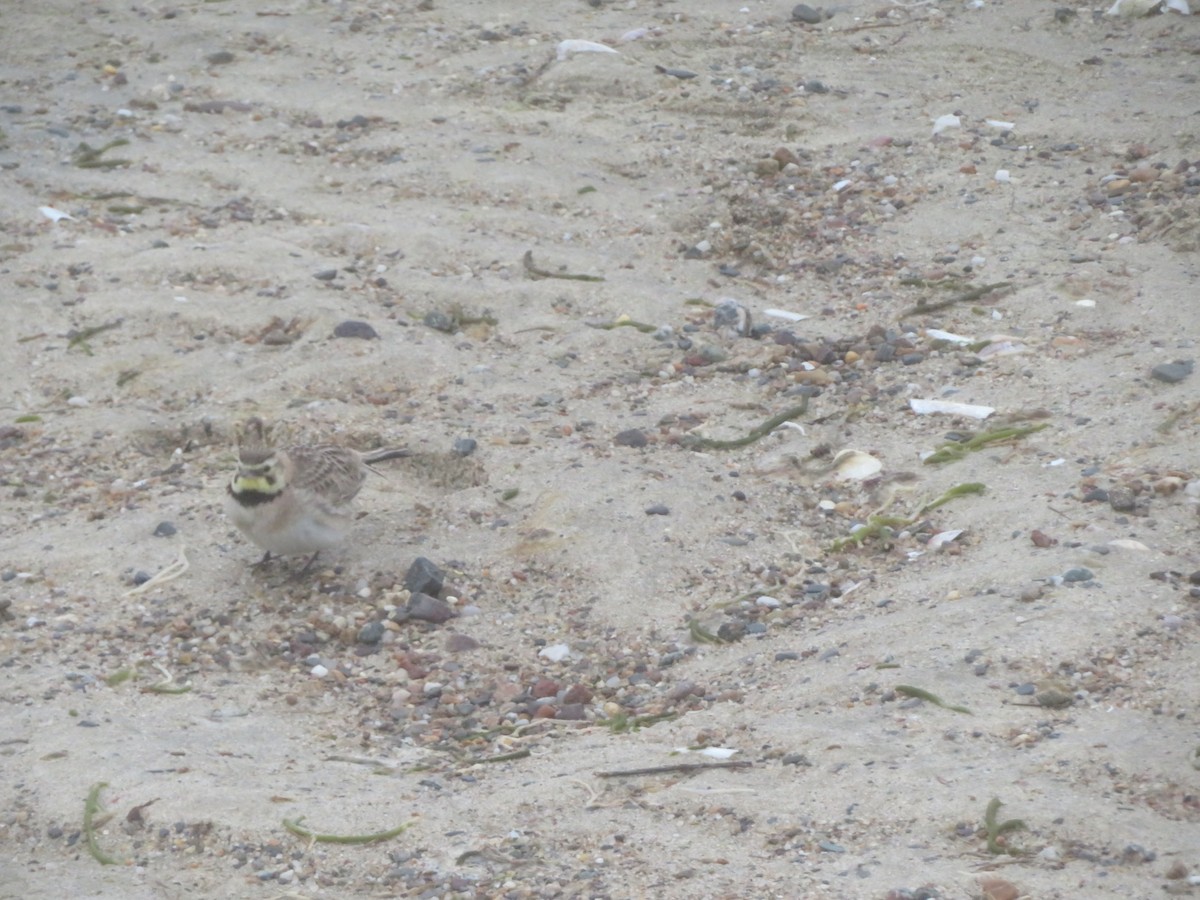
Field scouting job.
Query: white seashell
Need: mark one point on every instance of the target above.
(54, 214)
(941, 123)
(1001, 348)
(567, 47)
(942, 538)
(1129, 544)
(555, 652)
(855, 465)
(928, 407)
(786, 314)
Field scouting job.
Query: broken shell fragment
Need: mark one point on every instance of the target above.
(855, 465)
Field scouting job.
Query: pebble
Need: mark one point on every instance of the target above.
(428, 609)
(1173, 372)
(1078, 574)
(1028, 689)
(657, 509)
(464, 446)
(326, 275)
(164, 529)
(352, 328)
(371, 633)
(998, 889)
(424, 577)
(439, 321)
(631, 437)
(1122, 499)
(731, 631)
(461, 643)
(802, 12)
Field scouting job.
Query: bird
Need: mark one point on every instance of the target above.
(295, 500)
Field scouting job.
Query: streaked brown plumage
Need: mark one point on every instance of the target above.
(292, 500)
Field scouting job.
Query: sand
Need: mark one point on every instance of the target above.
(627, 598)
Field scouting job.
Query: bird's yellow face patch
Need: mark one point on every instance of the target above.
(254, 483)
(262, 480)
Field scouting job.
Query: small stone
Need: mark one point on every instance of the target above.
(802, 12)
(631, 437)
(439, 321)
(1028, 689)
(730, 632)
(1173, 372)
(371, 633)
(544, 687)
(1031, 592)
(220, 58)
(1122, 499)
(1178, 870)
(577, 693)
(574, 712)
(1078, 574)
(461, 643)
(657, 509)
(998, 889)
(464, 446)
(354, 329)
(1095, 495)
(319, 671)
(326, 275)
(424, 577)
(164, 529)
(428, 609)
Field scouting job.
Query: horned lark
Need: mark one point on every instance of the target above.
(297, 499)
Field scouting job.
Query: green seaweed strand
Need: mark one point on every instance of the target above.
(294, 826)
(695, 442)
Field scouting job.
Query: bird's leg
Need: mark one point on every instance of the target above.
(308, 565)
(262, 562)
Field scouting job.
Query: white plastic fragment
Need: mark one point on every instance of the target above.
(928, 407)
(1135, 9)
(567, 47)
(54, 214)
(1003, 176)
(842, 185)
(714, 752)
(555, 652)
(998, 123)
(938, 335)
(1086, 303)
(941, 123)
(786, 314)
